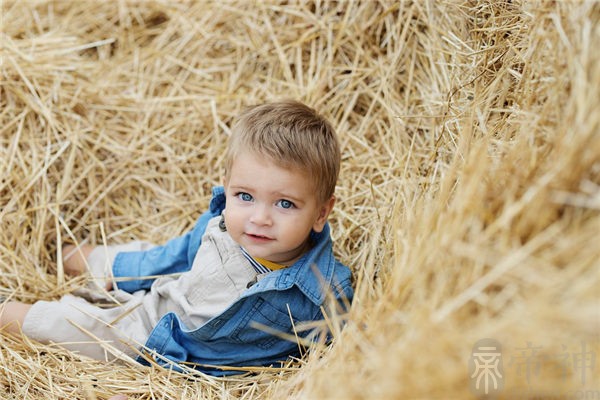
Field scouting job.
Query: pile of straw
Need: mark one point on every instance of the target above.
(468, 203)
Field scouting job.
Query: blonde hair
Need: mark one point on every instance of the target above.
(291, 135)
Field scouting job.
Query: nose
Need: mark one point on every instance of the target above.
(260, 215)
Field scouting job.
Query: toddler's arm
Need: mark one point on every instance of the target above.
(133, 260)
(129, 260)
(175, 256)
(139, 259)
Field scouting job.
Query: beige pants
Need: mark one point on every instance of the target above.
(117, 331)
(93, 322)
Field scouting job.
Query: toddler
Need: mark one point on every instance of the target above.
(234, 289)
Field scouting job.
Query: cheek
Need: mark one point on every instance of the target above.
(299, 227)
(232, 218)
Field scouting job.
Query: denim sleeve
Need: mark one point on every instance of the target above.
(176, 256)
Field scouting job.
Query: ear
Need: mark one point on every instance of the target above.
(324, 211)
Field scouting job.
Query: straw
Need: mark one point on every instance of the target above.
(468, 202)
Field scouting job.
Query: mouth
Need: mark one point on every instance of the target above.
(259, 238)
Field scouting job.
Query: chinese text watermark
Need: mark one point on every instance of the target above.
(489, 368)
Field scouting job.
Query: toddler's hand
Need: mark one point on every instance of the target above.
(74, 259)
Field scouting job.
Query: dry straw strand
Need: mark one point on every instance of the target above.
(468, 202)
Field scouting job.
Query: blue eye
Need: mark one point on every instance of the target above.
(285, 204)
(244, 196)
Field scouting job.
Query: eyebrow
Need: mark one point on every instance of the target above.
(287, 196)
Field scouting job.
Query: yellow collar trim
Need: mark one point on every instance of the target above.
(270, 264)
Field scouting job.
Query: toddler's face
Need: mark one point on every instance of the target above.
(271, 210)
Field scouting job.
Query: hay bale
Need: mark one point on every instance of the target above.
(468, 204)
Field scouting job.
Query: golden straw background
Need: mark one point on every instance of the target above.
(468, 203)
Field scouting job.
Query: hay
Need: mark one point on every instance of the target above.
(468, 204)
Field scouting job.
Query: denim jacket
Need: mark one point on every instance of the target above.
(242, 335)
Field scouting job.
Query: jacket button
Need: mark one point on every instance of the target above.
(251, 283)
